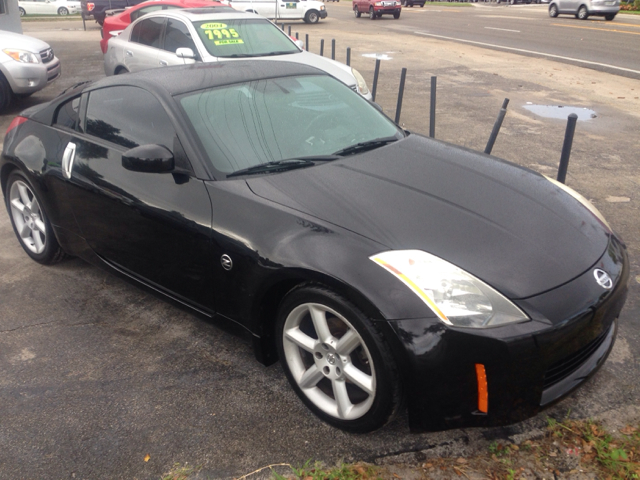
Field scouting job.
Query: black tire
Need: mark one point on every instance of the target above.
(356, 12)
(362, 407)
(553, 11)
(422, 6)
(6, 94)
(583, 13)
(372, 14)
(41, 244)
(22, 12)
(610, 16)
(312, 16)
(63, 11)
(396, 15)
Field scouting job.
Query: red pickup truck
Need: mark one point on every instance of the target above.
(377, 8)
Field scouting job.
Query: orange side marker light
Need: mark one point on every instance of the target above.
(483, 391)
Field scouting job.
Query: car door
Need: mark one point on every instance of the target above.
(142, 49)
(290, 9)
(177, 35)
(155, 227)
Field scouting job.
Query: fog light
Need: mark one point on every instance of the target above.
(31, 82)
(483, 391)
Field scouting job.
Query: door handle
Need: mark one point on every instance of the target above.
(129, 53)
(163, 63)
(68, 157)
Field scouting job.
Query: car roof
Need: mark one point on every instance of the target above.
(197, 76)
(205, 13)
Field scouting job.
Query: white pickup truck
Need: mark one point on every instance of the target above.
(311, 11)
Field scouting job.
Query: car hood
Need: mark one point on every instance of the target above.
(505, 224)
(24, 42)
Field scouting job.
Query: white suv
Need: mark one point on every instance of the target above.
(583, 9)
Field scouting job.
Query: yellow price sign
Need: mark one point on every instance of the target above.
(232, 41)
(220, 34)
(212, 26)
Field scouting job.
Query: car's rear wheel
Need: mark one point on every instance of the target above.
(337, 361)
(372, 14)
(30, 224)
(22, 12)
(553, 11)
(610, 16)
(312, 16)
(6, 94)
(583, 13)
(63, 11)
(356, 12)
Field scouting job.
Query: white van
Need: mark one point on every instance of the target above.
(311, 11)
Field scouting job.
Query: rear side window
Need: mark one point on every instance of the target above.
(148, 32)
(177, 36)
(68, 114)
(129, 117)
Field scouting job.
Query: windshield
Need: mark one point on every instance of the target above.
(253, 37)
(254, 123)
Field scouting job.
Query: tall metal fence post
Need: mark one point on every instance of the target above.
(375, 80)
(289, 30)
(297, 36)
(306, 41)
(333, 49)
(348, 56)
(432, 108)
(496, 127)
(566, 147)
(322, 47)
(403, 76)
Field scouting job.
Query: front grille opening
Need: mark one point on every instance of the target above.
(565, 367)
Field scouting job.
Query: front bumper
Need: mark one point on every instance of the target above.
(26, 78)
(387, 10)
(528, 365)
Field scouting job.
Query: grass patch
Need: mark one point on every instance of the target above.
(317, 471)
(448, 4)
(630, 12)
(180, 472)
(49, 18)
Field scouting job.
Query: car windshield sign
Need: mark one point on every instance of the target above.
(240, 38)
(284, 123)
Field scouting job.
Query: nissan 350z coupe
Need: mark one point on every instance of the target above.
(382, 268)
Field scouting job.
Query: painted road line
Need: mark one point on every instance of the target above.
(502, 29)
(594, 28)
(532, 52)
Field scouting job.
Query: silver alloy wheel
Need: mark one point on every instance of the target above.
(335, 369)
(27, 217)
(63, 11)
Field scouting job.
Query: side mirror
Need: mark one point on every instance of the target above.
(148, 159)
(299, 43)
(185, 53)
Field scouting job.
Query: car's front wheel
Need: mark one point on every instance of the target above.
(63, 11)
(610, 16)
(6, 94)
(356, 12)
(583, 13)
(396, 15)
(29, 221)
(337, 360)
(553, 11)
(312, 16)
(372, 14)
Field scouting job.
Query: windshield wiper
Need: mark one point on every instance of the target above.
(279, 166)
(270, 54)
(363, 146)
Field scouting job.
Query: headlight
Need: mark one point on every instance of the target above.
(321, 7)
(455, 296)
(21, 56)
(360, 83)
(378, 4)
(586, 203)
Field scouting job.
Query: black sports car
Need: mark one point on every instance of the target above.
(381, 267)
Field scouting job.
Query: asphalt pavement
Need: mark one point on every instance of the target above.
(98, 375)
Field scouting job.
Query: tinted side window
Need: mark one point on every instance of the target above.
(128, 116)
(68, 114)
(148, 32)
(143, 11)
(177, 36)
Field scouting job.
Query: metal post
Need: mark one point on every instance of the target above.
(322, 47)
(289, 30)
(403, 76)
(282, 27)
(333, 49)
(496, 126)
(432, 113)
(297, 36)
(375, 80)
(306, 42)
(566, 147)
(348, 56)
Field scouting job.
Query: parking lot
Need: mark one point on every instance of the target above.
(98, 374)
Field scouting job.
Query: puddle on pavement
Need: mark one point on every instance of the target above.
(561, 112)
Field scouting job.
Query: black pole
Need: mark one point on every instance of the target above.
(375, 80)
(322, 47)
(348, 56)
(333, 49)
(566, 147)
(289, 30)
(496, 126)
(432, 113)
(282, 27)
(403, 76)
(297, 36)
(306, 41)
